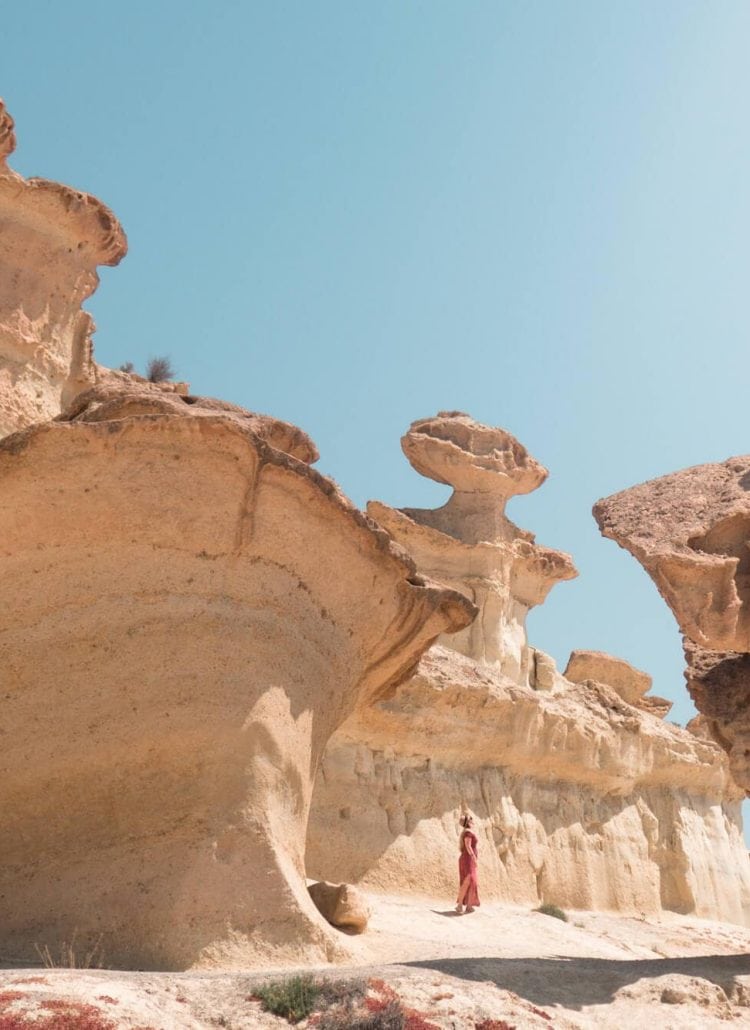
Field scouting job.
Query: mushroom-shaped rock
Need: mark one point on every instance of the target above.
(188, 613)
(485, 466)
(470, 543)
(452, 448)
(53, 238)
(341, 905)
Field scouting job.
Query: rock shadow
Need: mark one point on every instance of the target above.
(577, 982)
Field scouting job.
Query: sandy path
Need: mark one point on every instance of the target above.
(502, 962)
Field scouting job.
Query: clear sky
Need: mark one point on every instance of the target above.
(354, 214)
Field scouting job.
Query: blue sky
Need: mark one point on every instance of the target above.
(351, 215)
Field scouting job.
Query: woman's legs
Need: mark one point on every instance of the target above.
(463, 890)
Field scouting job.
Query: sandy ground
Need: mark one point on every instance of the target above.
(500, 963)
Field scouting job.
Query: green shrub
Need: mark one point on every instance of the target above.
(293, 998)
(552, 910)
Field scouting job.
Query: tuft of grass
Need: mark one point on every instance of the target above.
(71, 956)
(293, 998)
(552, 910)
(390, 1017)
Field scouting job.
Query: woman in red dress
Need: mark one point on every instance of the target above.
(468, 891)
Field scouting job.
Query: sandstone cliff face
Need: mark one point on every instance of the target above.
(53, 239)
(188, 613)
(690, 531)
(582, 795)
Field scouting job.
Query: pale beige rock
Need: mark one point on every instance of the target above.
(578, 798)
(659, 707)
(543, 673)
(470, 544)
(341, 905)
(53, 239)
(188, 612)
(120, 400)
(630, 683)
(581, 794)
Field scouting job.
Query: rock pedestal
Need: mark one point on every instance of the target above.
(471, 544)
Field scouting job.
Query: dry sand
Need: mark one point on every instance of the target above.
(501, 963)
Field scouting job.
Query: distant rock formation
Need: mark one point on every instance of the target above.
(53, 239)
(189, 611)
(470, 543)
(582, 795)
(691, 532)
(631, 684)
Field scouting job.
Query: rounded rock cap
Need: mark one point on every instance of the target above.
(452, 448)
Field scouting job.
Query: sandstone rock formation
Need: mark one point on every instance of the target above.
(188, 612)
(581, 794)
(341, 905)
(631, 684)
(691, 533)
(470, 543)
(53, 238)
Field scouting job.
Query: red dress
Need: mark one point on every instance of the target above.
(467, 866)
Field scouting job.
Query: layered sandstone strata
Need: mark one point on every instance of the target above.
(188, 612)
(631, 684)
(470, 543)
(582, 794)
(53, 239)
(691, 532)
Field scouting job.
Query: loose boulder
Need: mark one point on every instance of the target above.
(341, 905)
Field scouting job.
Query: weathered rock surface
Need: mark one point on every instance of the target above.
(630, 683)
(188, 612)
(581, 796)
(341, 905)
(691, 532)
(53, 239)
(470, 544)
